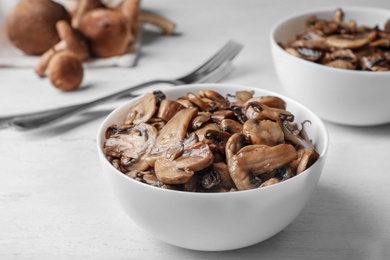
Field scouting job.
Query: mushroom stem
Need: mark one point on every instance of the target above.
(166, 26)
(83, 7)
(70, 40)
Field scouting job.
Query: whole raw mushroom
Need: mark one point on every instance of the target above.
(65, 71)
(31, 25)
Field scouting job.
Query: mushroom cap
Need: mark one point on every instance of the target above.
(74, 40)
(65, 71)
(31, 25)
(107, 31)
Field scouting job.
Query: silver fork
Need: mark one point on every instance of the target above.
(212, 70)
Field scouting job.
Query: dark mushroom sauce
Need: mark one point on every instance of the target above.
(342, 44)
(208, 143)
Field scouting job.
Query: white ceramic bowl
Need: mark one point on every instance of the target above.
(216, 221)
(337, 95)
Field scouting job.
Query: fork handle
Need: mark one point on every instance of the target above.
(34, 120)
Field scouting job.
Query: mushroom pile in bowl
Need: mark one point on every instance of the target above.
(205, 220)
(335, 61)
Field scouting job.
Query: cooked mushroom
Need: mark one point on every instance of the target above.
(254, 160)
(168, 142)
(231, 126)
(131, 144)
(31, 27)
(339, 44)
(195, 152)
(341, 64)
(200, 120)
(142, 110)
(65, 71)
(167, 109)
(71, 40)
(181, 169)
(263, 132)
(348, 41)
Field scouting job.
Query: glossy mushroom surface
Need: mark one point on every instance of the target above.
(338, 43)
(215, 144)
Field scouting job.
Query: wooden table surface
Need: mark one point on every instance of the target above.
(55, 203)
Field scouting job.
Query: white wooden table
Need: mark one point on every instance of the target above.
(55, 204)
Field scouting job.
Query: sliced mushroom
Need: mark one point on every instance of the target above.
(167, 109)
(348, 41)
(240, 98)
(254, 160)
(142, 110)
(372, 60)
(169, 141)
(306, 159)
(256, 110)
(131, 145)
(223, 171)
(263, 132)
(219, 138)
(231, 126)
(341, 64)
(201, 104)
(201, 119)
(203, 130)
(220, 115)
(182, 169)
(219, 100)
(270, 182)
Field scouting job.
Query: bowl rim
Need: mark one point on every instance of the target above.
(323, 130)
(314, 11)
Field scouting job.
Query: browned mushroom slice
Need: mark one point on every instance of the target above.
(167, 109)
(220, 115)
(345, 54)
(319, 43)
(371, 60)
(202, 131)
(169, 141)
(181, 170)
(263, 132)
(349, 41)
(269, 182)
(142, 110)
(223, 171)
(231, 126)
(382, 66)
(341, 64)
(219, 138)
(254, 160)
(201, 104)
(132, 145)
(256, 110)
(294, 135)
(310, 54)
(338, 15)
(200, 120)
(306, 159)
(219, 100)
(240, 98)
(270, 101)
(233, 145)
